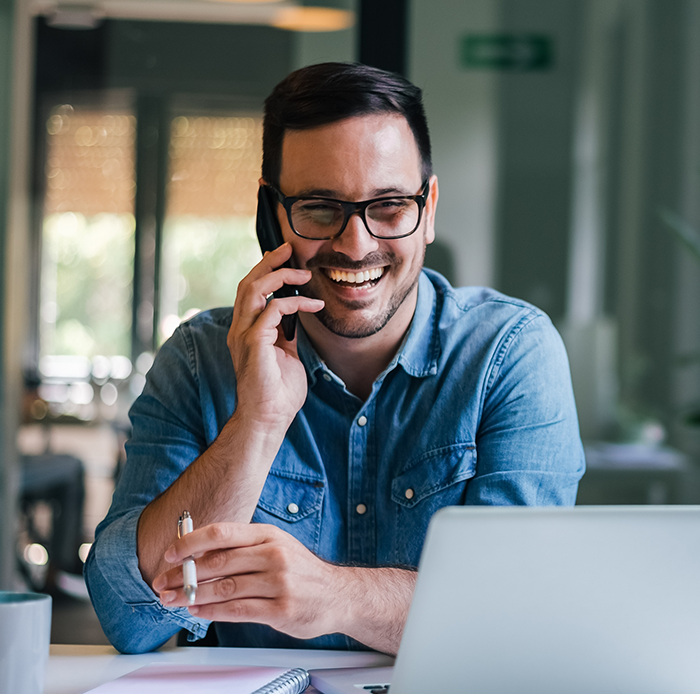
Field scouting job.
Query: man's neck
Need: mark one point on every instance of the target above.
(359, 361)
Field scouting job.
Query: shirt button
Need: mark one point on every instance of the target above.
(293, 508)
(409, 493)
(362, 421)
(327, 377)
(361, 509)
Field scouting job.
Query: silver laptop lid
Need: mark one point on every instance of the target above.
(556, 601)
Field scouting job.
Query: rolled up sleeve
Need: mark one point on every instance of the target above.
(132, 617)
(167, 437)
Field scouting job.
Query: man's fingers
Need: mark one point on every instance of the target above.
(235, 587)
(215, 565)
(270, 261)
(272, 315)
(265, 328)
(264, 286)
(260, 610)
(218, 536)
(271, 266)
(252, 297)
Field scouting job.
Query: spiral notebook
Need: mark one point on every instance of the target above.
(208, 679)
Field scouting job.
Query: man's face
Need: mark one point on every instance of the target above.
(357, 159)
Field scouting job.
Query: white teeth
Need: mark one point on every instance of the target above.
(356, 277)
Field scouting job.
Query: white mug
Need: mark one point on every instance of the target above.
(25, 634)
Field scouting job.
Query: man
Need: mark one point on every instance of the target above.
(398, 396)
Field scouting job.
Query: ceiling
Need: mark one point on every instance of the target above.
(323, 15)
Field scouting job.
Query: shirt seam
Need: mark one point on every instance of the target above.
(434, 452)
(500, 354)
(469, 304)
(297, 477)
(434, 489)
(189, 346)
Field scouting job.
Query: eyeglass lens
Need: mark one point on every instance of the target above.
(386, 218)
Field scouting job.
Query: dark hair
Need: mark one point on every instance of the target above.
(328, 92)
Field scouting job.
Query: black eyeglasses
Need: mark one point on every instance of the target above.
(319, 219)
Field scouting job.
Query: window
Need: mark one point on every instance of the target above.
(209, 241)
(147, 157)
(88, 233)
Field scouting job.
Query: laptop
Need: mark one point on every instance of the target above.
(583, 600)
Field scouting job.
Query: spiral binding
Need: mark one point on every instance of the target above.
(292, 682)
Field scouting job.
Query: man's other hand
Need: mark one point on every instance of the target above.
(253, 573)
(259, 573)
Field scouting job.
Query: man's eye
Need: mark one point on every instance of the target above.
(316, 212)
(390, 209)
(317, 207)
(390, 206)
(393, 204)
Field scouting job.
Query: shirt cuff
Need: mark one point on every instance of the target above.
(116, 557)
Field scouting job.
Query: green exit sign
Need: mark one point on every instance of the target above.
(512, 52)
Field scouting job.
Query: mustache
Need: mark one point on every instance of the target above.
(342, 262)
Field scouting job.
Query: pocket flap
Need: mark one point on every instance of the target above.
(291, 498)
(434, 471)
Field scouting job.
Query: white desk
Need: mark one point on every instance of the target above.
(77, 669)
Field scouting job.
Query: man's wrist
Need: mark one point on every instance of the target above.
(247, 437)
(372, 604)
(263, 426)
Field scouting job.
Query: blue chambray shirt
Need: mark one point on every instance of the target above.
(475, 408)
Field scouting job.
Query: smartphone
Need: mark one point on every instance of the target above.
(269, 234)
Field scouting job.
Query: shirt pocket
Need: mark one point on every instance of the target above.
(294, 504)
(436, 479)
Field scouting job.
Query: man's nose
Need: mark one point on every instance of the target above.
(355, 241)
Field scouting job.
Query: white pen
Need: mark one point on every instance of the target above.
(189, 570)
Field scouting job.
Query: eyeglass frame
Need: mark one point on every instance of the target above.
(350, 208)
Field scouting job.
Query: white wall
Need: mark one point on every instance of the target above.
(590, 336)
(462, 113)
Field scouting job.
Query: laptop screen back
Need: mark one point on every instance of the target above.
(554, 600)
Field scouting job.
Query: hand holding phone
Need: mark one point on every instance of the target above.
(269, 233)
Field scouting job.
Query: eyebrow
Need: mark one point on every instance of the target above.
(328, 193)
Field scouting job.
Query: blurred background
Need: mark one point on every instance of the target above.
(566, 136)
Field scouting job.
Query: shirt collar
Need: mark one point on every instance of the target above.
(419, 352)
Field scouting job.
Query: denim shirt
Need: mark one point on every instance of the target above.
(475, 408)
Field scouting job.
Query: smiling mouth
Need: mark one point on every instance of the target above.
(355, 279)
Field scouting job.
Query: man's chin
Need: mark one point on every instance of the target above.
(354, 321)
(354, 327)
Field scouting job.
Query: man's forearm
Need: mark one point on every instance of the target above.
(223, 484)
(374, 604)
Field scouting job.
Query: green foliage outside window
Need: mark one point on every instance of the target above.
(87, 284)
(204, 259)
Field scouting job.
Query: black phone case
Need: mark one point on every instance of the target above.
(269, 234)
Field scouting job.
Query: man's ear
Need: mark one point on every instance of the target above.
(430, 207)
(261, 181)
